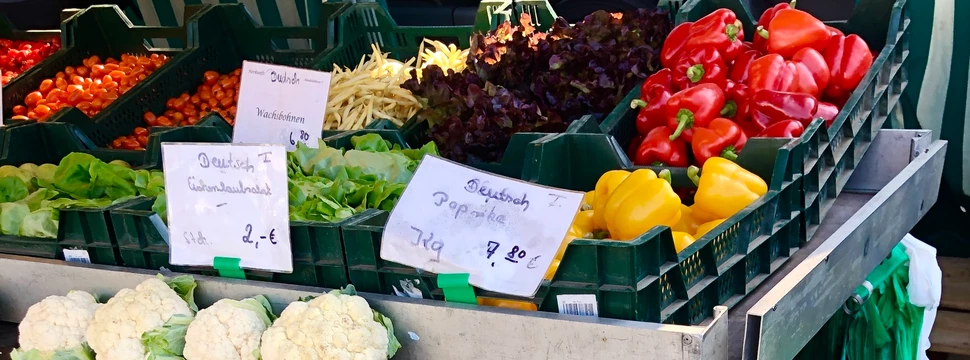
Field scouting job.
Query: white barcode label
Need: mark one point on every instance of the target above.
(78, 256)
(584, 305)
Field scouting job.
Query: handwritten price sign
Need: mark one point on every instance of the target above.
(229, 201)
(454, 219)
(280, 105)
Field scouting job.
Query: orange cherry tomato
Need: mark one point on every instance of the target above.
(32, 98)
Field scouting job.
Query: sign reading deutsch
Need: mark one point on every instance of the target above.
(280, 105)
(228, 200)
(503, 232)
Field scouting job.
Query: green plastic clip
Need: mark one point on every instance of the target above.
(456, 288)
(228, 267)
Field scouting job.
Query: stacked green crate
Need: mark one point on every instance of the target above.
(87, 229)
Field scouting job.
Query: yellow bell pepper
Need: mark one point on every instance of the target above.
(688, 223)
(581, 228)
(587, 203)
(604, 187)
(706, 227)
(724, 188)
(641, 202)
(682, 240)
(508, 304)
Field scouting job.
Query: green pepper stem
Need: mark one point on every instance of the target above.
(637, 103)
(761, 31)
(730, 109)
(732, 30)
(665, 174)
(693, 173)
(729, 153)
(685, 119)
(657, 163)
(792, 3)
(585, 207)
(695, 73)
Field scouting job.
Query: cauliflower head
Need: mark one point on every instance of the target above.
(116, 330)
(331, 326)
(228, 330)
(57, 322)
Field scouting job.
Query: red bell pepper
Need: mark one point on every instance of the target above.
(816, 65)
(828, 112)
(742, 139)
(700, 65)
(769, 107)
(693, 108)
(772, 72)
(791, 30)
(674, 44)
(737, 106)
(760, 39)
(720, 29)
(849, 59)
(657, 149)
(718, 139)
(654, 93)
(631, 149)
(784, 129)
(739, 70)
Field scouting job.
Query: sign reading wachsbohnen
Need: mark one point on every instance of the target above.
(280, 105)
(455, 219)
(228, 200)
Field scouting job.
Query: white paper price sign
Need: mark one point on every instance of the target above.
(454, 219)
(228, 200)
(280, 105)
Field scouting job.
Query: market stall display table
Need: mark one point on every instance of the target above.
(894, 186)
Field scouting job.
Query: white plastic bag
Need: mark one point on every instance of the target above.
(925, 285)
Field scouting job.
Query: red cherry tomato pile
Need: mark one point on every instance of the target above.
(717, 90)
(16, 56)
(90, 87)
(217, 93)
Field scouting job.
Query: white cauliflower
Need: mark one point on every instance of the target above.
(56, 324)
(115, 332)
(332, 326)
(228, 330)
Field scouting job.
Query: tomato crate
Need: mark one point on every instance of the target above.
(9, 32)
(645, 279)
(220, 38)
(143, 240)
(101, 30)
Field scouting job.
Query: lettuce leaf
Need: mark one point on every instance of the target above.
(12, 188)
(12, 217)
(327, 184)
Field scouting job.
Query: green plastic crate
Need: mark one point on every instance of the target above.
(220, 37)
(83, 228)
(9, 31)
(357, 26)
(101, 30)
(867, 109)
(143, 242)
(644, 279)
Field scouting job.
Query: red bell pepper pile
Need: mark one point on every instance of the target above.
(717, 90)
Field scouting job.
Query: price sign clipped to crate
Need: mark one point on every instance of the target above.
(502, 232)
(227, 203)
(280, 105)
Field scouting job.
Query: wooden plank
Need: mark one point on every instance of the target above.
(951, 333)
(956, 283)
